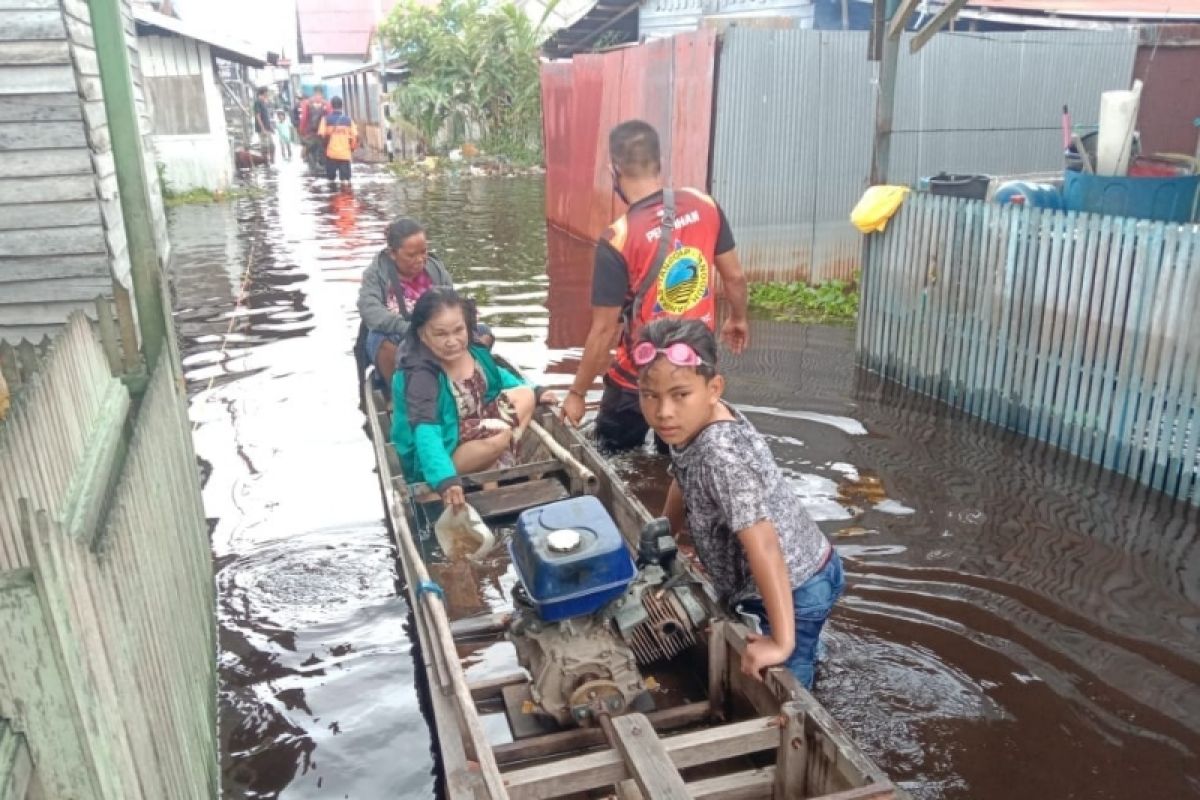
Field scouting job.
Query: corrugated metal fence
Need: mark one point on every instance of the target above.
(795, 118)
(1079, 330)
(106, 595)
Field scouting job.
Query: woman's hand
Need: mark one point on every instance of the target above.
(455, 498)
(761, 652)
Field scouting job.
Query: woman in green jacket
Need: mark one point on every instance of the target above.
(456, 410)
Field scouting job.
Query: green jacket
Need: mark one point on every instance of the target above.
(425, 416)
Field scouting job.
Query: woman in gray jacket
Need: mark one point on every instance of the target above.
(391, 286)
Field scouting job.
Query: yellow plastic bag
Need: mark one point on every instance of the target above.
(876, 207)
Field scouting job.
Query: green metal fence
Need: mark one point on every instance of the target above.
(106, 595)
(1076, 329)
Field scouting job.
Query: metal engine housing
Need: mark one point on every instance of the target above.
(579, 667)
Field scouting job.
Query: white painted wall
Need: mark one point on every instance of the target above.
(195, 160)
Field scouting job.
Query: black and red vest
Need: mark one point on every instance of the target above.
(685, 286)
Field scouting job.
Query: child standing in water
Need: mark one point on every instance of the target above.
(286, 132)
(766, 557)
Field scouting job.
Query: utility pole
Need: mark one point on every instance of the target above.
(887, 24)
(112, 52)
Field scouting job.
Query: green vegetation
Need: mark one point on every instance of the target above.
(171, 197)
(832, 301)
(473, 75)
(201, 196)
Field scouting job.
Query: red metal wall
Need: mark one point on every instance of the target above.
(667, 82)
(1171, 94)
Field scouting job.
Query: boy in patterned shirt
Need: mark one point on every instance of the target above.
(766, 557)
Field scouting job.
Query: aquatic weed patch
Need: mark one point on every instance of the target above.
(831, 301)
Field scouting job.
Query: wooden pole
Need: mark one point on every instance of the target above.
(885, 98)
(112, 53)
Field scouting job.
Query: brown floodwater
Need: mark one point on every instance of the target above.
(1016, 622)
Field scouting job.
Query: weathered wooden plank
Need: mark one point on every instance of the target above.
(493, 687)
(508, 500)
(77, 9)
(38, 315)
(875, 791)
(56, 289)
(34, 53)
(792, 754)
(69, 266)
(1131, 395)
(86, 61)
(42, 135)
(53, 241)
(19, 25)
(751, 784)
(79, 31)
(1120, 309)
(1066, 397)
(16, 767)
(606, 768)
(718, 670)
(52, 189)
(52, 79)
(1156, 386)
(33, 333)
(28, 5)
(1087, 438)
(48, 215)
(583, 738)
(44, 163)
(647, 759)
(35, 685)
(62, 106)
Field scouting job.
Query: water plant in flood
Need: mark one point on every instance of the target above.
(473, 75)
(831, 301)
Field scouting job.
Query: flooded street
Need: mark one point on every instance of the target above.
(1015, 621)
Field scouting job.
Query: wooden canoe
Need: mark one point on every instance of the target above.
(742, 739)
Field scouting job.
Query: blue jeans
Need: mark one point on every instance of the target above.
(812, 601)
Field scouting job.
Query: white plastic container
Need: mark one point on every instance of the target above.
(1118, 120)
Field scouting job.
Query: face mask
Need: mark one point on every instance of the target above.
(616, 182)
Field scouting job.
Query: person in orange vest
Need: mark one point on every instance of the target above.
(340, 136)
(655, 261)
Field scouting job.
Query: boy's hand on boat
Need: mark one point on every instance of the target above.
(761, 652)
(455, 498)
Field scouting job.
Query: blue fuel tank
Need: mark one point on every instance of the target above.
(570, 558)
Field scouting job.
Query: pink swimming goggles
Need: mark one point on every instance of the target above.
(679, 354)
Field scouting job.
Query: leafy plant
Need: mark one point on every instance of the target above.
(473, 73)
(832, 301)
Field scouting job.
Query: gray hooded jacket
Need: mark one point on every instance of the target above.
(381, 279)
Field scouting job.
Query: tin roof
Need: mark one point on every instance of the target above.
(338, 29)
(1150, 10)
(608, 22)
(223, 45)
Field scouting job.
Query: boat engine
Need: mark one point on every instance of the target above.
(587, 616)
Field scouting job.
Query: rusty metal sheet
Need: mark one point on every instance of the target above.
(668, 83)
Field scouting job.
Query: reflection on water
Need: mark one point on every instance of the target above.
(1015, 620)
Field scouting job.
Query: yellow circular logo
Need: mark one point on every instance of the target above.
(683, 280)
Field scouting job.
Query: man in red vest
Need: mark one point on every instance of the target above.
(655, 261)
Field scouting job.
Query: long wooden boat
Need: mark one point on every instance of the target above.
(709, 732)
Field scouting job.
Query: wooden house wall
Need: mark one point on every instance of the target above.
(62, 236)
(187, 112)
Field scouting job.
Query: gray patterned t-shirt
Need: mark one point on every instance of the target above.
(730, 481)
